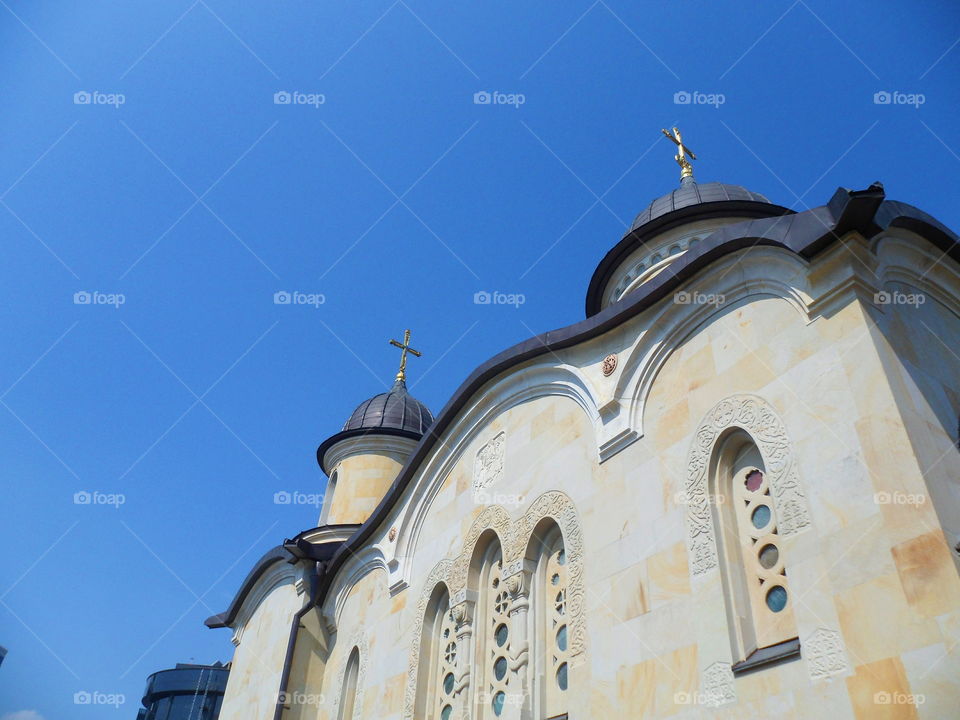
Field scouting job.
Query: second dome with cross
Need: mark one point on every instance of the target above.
(365, 456)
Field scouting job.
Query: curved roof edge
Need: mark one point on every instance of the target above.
(270, 557)
(639, 236)
(291, 551)
(805, 234)
(359, 432)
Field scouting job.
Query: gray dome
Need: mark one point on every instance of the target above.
(693, 193)
(394, 410)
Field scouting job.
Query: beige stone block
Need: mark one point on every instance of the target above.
(877, 622)
(928, 575)
(668, 575)
(880, 691)
(637, 688)
(676, 680)
(627, 597)
(824, 700)
(934, 675)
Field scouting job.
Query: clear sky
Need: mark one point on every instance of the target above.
(186, 197)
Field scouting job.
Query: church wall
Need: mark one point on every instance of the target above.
(875, 592)
(257, 662)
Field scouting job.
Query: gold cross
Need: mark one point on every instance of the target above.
(686, 169)
(404, 349)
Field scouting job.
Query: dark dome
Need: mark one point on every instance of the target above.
(694, 193)
(394, 410)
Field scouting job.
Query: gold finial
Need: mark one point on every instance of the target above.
(404, 349)
(686, 169)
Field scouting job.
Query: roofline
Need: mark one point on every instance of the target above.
(804, 234)
(291, 551)
(360, 432)
(639, 236)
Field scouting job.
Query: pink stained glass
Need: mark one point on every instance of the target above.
(754, 480)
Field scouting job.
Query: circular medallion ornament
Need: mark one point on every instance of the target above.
(392, 534)
(609, 364)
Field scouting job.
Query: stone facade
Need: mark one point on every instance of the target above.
(851, 398)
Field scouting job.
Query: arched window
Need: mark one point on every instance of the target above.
(494, 636)
(348, 695)
(438, 663)
(551, 622)
(759, 606)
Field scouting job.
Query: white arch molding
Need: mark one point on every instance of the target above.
(755, 416)
(504, 394)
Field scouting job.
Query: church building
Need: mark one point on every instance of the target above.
(731, 491)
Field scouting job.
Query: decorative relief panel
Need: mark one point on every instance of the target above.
(514, 537)
(718, 688)
(825, 654)
(757, 418)
(488, 467)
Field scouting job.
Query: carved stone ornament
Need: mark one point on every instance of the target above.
(753, 415)
(488, 467)
(718, 687)
(609, 364)
(825, 654)
(392, 535)
(514, 537)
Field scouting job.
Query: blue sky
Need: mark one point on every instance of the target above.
(185, 191)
